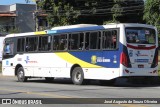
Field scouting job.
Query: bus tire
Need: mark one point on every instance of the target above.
(49, 79)
(78, 76)
(20, 75)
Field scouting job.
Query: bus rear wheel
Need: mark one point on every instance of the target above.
(78, 76)
(20, 75)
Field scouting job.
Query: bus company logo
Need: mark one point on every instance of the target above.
(94, 59)
(29, 61)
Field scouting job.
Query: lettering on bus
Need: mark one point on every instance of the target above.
(140, 54)
(95, 59)
(142, 60)
(29, 61)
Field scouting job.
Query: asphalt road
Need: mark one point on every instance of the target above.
(63, 88)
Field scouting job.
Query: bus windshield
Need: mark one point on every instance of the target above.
(140, 35)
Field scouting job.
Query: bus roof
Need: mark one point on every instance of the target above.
(73, 26)
(94, 27)
(79, 28)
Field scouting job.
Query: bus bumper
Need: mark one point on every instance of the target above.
(140, 72)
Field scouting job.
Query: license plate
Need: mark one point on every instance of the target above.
(140, 66)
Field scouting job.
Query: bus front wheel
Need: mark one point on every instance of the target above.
(20, 75)
(78, 76)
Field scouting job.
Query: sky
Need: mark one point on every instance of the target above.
(9, 2)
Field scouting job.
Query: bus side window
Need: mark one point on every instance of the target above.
(106, 40)
(87, 41)
(94, 40)
(81, 42)
(44, 43)
(114, 39)
(60, 42)
(74, 41)
(20, 44)
(55, 42)
(31, 44)
(109, 39)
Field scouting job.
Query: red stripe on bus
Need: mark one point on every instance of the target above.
(143, 48)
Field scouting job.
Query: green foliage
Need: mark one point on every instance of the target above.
(66, 12)
(117, 10)
(60, 13)
(152, 13)
(111, 21)
(14, 30)
(11, 30)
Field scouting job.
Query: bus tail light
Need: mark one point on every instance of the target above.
(123, 59)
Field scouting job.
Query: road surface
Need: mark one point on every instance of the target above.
(63, 88)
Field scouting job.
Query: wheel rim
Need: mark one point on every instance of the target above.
(20, 75)
(78, 76)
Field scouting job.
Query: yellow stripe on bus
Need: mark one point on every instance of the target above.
(73, 60)
(40, 33)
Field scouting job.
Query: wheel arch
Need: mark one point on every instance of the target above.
(17, 67)
(72, 68)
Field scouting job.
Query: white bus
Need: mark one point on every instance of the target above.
(83, 53)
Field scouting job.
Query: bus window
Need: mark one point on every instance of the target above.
(60, 42)
(87, 41)
(31, 43)
(8, 48)
(20, 44)
(73, 42)
(109, 39)
(140, 35)
(114, 39)
(81, 41)
(55, 42)
(94, 40)
(44, 43)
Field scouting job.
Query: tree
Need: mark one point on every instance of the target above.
(62, 12)
(14, 30)
(152, 13)
(59, 12)
(117, 10)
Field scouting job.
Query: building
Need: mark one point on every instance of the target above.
(21, 17)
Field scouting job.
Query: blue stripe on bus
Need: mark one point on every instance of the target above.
(108, 58)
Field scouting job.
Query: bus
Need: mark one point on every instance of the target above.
(83, 52)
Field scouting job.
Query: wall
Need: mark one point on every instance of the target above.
(25, 20)
(1, 47)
